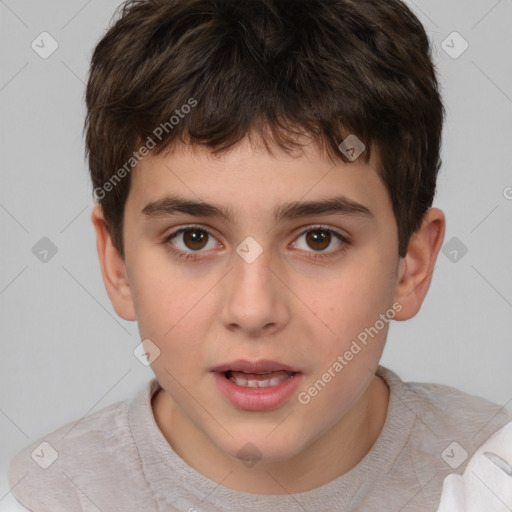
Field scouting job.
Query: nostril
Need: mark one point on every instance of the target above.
(498, 461)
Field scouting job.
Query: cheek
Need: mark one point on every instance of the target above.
(353, 300)
(350, 308)
(167, 291)
(174, 312)
(162, 303)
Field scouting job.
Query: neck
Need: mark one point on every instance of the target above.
(332, 455)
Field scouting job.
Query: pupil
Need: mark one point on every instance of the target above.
(194, 238)
(318, 237)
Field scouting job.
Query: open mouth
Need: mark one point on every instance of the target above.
(258, 380)
(257, 385)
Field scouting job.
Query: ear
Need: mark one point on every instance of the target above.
(113, 268)
(417, 266)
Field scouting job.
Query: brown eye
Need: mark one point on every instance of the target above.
(319, 239)
(319, 243)
(192, 239)
(195, 239)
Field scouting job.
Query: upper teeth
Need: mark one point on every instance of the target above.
(255, 383)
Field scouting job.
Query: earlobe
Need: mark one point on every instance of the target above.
(417, 267)
(113, 268)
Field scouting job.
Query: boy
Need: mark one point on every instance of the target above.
(264, 171)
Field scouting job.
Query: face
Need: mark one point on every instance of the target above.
(269, 308)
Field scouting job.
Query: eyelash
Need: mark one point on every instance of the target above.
(192, 256)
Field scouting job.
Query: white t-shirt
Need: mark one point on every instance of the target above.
(117, 459)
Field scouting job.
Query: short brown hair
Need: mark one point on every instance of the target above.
(328, 68)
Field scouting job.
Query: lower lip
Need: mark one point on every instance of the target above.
(256, 399)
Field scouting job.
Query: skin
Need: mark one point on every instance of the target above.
(284, 306)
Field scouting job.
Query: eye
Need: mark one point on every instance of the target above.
(191, 240)
(320, 239)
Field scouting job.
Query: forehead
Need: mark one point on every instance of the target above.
(249, 177)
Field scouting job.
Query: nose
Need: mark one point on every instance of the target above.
(255, 300)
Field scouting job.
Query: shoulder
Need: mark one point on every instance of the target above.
(435, 431)
(446, 416)
(55, 471)
(458, 412)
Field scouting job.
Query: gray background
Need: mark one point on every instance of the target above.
(66, 354)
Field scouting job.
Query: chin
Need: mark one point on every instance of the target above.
(262, 449)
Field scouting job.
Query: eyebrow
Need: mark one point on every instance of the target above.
(173, 205)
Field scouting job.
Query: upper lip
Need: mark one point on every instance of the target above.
(261, 366)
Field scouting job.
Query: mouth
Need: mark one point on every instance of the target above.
(256, 386)
(258, 380)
